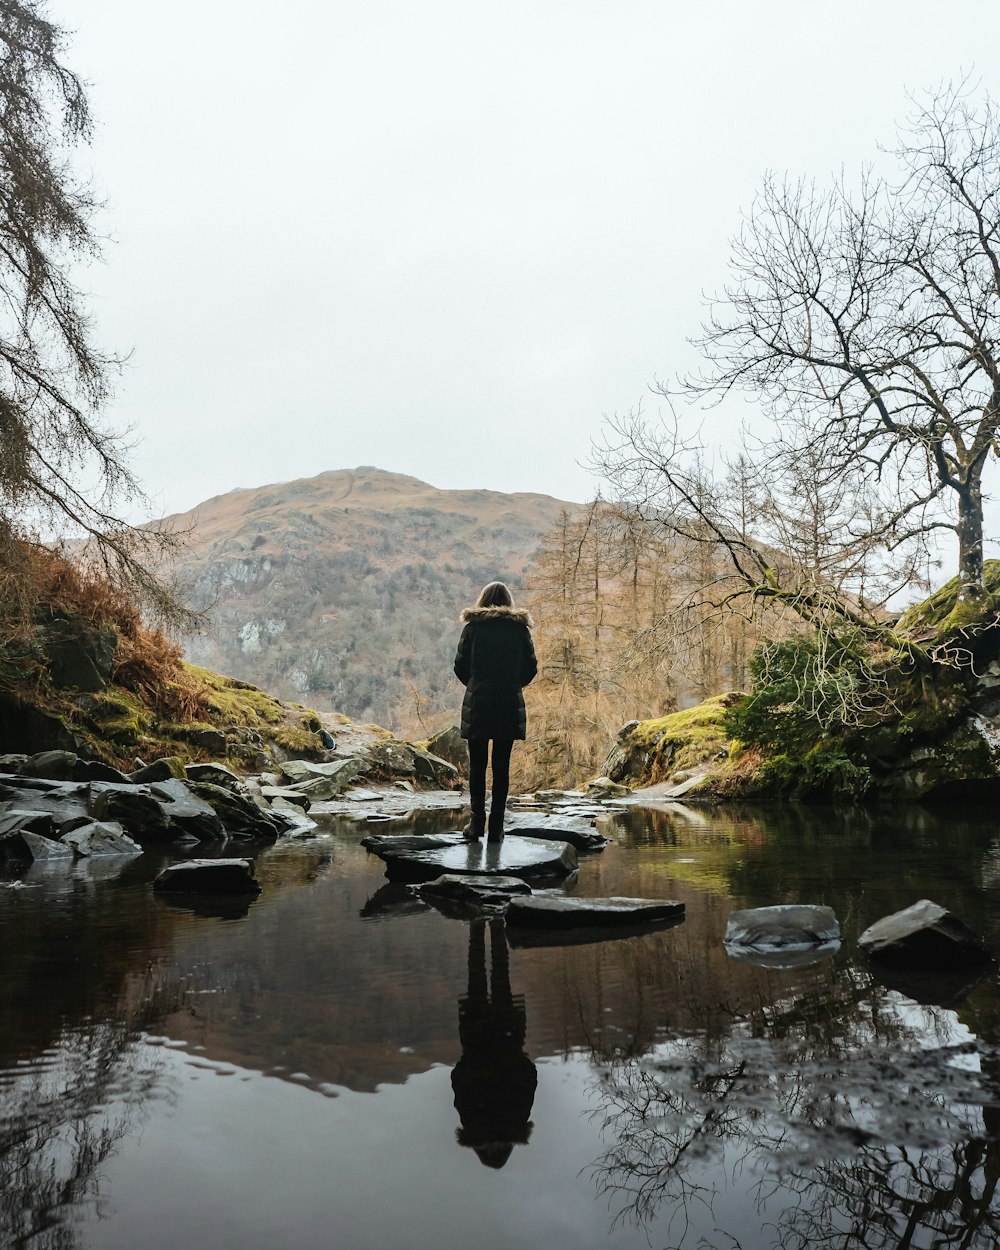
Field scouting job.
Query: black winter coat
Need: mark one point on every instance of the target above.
(495, 659)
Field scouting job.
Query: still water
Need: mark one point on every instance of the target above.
(334, 1064)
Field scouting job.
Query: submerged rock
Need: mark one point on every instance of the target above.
(208, 876)
(528, 858)
(793, 926)
(925, 935)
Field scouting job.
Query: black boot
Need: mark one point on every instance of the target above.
(496, 823)
(477, 825)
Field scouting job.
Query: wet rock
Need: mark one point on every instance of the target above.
(214, 774)
(186, 812)
(65, 801)
(13, 762)
(528, 858)
(15, 828)
(451, 746)
(782, 928)
(239, 814)
(471, 894)
(134, 807)
(101, 837)
(208, 876)
(53, 765)
(925, 935)
(46, 850)
(298, 821)
(288, 793)
(165, 768)
(576, 830)
(567, 911)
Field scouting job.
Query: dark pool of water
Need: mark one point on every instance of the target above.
(336, 1065)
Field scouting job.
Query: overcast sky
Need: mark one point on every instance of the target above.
(445, 237)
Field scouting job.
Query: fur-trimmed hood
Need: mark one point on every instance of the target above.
(498, 614)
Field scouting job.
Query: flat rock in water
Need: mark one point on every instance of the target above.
(527, 858)
(101, 838)
(578, 831)
(925, 935)
(287, 793)
(208, 876)
(569, 911)
(791, 926)
(464, 889)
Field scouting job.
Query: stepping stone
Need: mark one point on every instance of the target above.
(424, 858)
(208, 876)
(925, 935)
(576, 830)
(792, 926)
(568, 911)
(460, 895)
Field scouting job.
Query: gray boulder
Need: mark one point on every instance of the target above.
(434, 771)
(17, 828)
(240, 816)
(794, 926)
(100, 838)
(97, 770)
(214, 774)
(46, 850)
(79, 654)
(208, 876)
(186, 812)
(134, 807)
(926, 936)
(65, 801)
(451, 746)
(52, 765)
(164, 769)
(288, 793)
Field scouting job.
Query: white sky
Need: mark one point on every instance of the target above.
(445, 237)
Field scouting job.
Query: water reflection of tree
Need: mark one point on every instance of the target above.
(56, 1126)
(810, 1127)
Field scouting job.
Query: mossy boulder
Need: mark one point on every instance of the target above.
(649, 751)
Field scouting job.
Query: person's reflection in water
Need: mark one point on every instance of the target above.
(494, 1081)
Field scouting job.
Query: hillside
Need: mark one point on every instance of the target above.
(343, 590)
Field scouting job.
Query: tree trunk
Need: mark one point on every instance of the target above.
(972, 587)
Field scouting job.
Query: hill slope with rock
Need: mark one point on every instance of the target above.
(343, 590)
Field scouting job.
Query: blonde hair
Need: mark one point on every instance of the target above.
(495, 595)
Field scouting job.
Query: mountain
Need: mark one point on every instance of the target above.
(343, 590)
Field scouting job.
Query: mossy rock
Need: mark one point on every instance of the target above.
(942, 614)
(649, 751)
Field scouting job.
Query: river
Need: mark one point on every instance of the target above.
(335, 1064)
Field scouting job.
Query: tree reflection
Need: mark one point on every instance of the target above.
(494, 1081)
(57, 1126)
(868, 1141)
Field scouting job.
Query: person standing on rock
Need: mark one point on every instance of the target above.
(495, 661)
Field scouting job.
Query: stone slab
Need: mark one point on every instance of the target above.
(578, 831)
(568, 911)
(208, 876)
(527, 858)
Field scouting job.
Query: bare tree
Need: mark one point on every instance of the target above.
(867, 321)
(63, 470)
